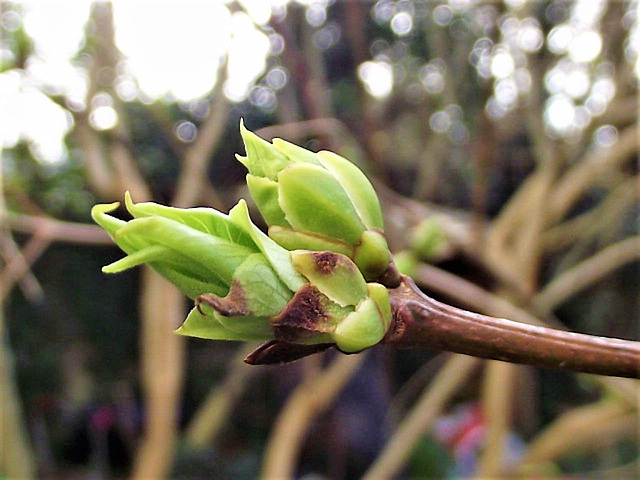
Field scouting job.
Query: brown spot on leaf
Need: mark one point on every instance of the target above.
(325, 262)
(303, 316)
(233, 305)
(276, 351)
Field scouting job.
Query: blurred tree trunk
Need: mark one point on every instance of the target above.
(162, 310)
(16, 457)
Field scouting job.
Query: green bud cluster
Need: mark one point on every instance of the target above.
(245, 285)
(316, 201)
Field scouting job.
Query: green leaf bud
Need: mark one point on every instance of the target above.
(316, 201)
(306, 188)
(263, 159)
(304, 284)
(406, 262)
(357, 186)
(360, 329)
(429, 239)
(294, 152)
(265, 193)
(372, 254)
(380, 295)
(295, 240)
(335, 275)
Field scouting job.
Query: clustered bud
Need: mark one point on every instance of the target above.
(306, 286)
(316, 201)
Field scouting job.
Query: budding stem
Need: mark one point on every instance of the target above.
(420, 321)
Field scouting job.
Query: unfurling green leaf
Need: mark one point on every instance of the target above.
(255, 290)
(200, 325)
(279, 258)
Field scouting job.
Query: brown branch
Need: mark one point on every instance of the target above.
(422, 322)
(471, 295)
(474, 297)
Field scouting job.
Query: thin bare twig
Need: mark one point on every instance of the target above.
(417, 422)
(196, 159)
(308, 400)
(57, 230)
(579, 426)
(327, 126)
(15, 262)
(580, 177)
(20, 265)
(497, 400)
(210, 417)
(587, 272)
(580, 230)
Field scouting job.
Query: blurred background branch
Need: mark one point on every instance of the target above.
(501, 137)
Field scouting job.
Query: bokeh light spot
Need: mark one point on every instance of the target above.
(559, 113)
(277, 78)
(316, 15)
(442, 15)
(440, 121)
(585, 47)
(186, 131)
(559, 39)
(103, 118)
(605, 136)
(377, 77)
(502, 64)
(402, 23)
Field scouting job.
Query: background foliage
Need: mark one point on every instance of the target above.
(501, 136)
